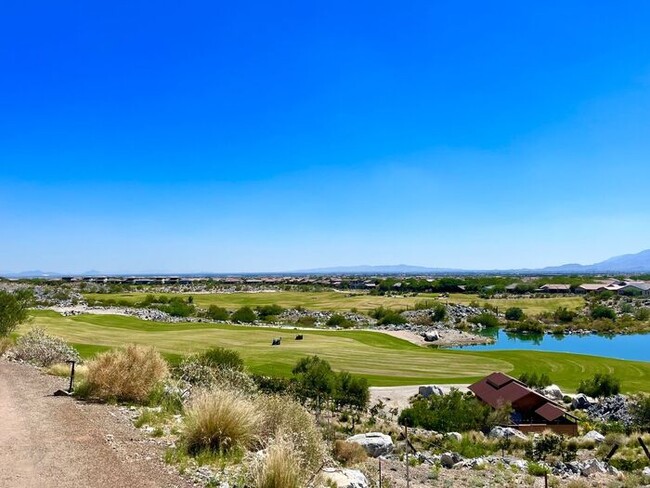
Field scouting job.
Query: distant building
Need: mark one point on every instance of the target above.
(591, 288)
(532, 412)
(639, 288)
(555, 288)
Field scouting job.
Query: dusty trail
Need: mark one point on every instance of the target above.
(49, 442)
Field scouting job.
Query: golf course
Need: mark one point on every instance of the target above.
(345, 301)
(383, 359)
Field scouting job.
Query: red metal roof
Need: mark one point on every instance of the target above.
(549, 412)
(498, 389)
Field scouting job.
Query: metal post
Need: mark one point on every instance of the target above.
(611, 453)
(70, 388)
(408, 477)
(645, 449)
(379, 473)
(545, 480)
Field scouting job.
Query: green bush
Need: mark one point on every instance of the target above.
(600, 385)
(13, 310)
(603, 312)
(220, 357)
(640, 410)
(486, 319)
(177, 307)
(439, 312)
(217, 313)
(266, 312)
(386, 316)
(447, 413)
(514, 314)
(244, 315)
(338, 320)
(563, 315)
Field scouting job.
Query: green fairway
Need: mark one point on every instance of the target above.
(383, 359)
(340, 301)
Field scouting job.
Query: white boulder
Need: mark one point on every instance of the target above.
(375, 443)
(592, 466)
(553, 392)
(455, 435)
(346, 478)
(499, 432)
(595, 436)
(431, 336)
(581, 401)
(427, 391)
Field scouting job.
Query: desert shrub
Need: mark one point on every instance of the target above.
(514, 314)
(234, 379)
(284, 417)
(529, 326)
(220, 357)
(600, 385)
(486, 319)
(348, 453)
(41, 349)
(219, 421)
(243, 315)
(196, 373)
(642, 314)
(217, 313)
(439, 312)
(306, 321)
(549, 444)
(536, 469)
(280, 467)
(128, 374)
(535, 380)
(63, 370)
(640, 410)
(603, 312)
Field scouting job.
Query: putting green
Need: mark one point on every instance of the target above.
(381, 358)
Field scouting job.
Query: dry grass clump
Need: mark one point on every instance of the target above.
(63, 370)
(284, 417)
(129, 374)
(220, 421)
(280, 467)
(5, 344)
(349, 453)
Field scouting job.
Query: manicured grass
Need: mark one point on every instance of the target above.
(531, 306)
(363, 302)
(383, 359)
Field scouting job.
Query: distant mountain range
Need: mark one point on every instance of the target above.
(626, 264)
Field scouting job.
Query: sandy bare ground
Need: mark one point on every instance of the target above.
(450, 337)
(398, 396)
(48, 441)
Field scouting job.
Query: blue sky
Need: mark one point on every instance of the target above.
(265, 136)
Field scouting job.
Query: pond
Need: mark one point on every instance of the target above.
(634, 346)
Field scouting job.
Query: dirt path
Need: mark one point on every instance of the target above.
(398, 396)
(49, 442)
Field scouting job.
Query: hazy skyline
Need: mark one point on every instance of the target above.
(251, 137)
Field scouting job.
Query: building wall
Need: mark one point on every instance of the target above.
(563, 429)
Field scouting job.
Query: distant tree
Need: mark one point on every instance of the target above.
(243, 315)
(386, 316)
(177, 307)
(600, 385)
(642, 314)
(351, 391)
(486, 319)
(215, 312)
(535, 380)
(314, 378)
(514, 314)
(13, 310)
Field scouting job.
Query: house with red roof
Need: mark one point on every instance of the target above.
(532, 411)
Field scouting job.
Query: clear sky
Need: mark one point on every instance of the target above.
(263, 136)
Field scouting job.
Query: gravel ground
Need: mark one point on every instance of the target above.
(48, 441)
